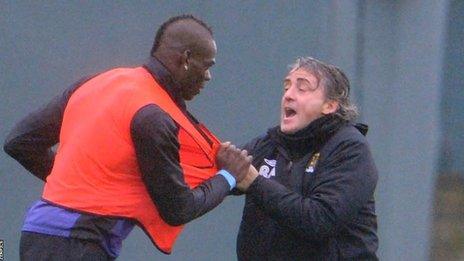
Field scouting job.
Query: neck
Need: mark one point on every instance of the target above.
(166, 58)
(310, 138)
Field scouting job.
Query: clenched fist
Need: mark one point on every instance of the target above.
(235, 161)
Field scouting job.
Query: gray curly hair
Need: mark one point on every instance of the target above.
(336, 84)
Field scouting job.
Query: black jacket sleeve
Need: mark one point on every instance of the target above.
(154, 134)
(348, 182)
(31, 140)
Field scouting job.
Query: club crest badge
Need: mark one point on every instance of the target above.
(267, 170)
(310, 167)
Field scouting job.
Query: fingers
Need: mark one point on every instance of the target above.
(224, 146)
(227, 147)
(222, 154)
(234, 160)
(231, 151)
(232, 147)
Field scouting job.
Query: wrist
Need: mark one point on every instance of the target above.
(244, 184)
(229, 178)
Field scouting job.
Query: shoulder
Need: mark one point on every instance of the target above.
(349, 132)
(348, 151)
(151, 118)
(348, 139)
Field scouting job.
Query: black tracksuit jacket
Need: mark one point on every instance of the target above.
(298, 210)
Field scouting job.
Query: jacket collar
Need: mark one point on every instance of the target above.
(165, 79)
(309, 139)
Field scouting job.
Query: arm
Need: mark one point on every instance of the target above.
(154, 134)
(348, 182)
(30, 142)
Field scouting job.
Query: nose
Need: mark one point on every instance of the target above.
(207, 75)
(289, 93)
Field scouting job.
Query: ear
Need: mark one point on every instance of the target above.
(185, 57)
(330, 106)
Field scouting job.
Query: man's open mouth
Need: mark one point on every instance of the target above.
(289, 112)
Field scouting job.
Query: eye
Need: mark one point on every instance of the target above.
(207, 65)
(286, 84)
(301, 86)
(304, 85)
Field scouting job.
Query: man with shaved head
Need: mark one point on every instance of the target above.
(187, 49)
(129, 153)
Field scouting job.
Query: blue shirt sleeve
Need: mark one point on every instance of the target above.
(230, 179)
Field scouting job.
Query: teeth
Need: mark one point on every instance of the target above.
(289, 112)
